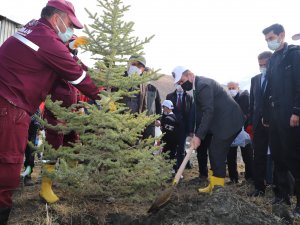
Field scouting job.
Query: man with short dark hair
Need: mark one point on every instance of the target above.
(221, 116)
(30, 62)
(282, 111)
(260, 131)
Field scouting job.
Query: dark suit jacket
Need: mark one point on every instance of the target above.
(283, 88)
(242, 98)
(183, 116)
(256, 101)
(221, 115)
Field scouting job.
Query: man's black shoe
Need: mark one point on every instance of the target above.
(280, 200)
(256, 193)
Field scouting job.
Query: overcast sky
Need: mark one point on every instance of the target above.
(215, 38)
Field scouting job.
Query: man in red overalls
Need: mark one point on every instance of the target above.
(30, 62)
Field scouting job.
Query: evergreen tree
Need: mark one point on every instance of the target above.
(110, 159)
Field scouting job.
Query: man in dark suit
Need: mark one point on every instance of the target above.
(260, 131)
(282, 97)
(221, 116)
(182, 102)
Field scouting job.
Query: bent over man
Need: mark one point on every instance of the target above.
(30, 61)
(221, 117)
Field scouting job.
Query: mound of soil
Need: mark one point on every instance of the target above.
(222, 207)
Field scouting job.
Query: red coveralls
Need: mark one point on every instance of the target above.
(67, 93)
(30, 62)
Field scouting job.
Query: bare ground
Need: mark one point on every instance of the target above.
(227, 205)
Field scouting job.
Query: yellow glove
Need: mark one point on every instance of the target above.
(78, 42)
(112, 106)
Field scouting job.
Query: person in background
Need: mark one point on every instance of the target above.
(242, 98)
(182, 102)
(147, 99)
(260, 131)
(221, 116)
(169, 126)
(281, 113)
(30, 62)
(34, 127)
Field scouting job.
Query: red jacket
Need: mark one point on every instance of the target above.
(31, 61)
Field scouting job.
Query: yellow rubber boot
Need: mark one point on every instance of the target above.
(46, 188)
(208, 188)
(216, 181)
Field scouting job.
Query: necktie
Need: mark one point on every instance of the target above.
(264, 84)
(178, 101)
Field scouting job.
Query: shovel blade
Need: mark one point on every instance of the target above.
(161, 200)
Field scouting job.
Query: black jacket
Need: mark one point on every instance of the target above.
(221, 115)
(183, 115)
(282, 94)
(256, 101)
(243, 100)
(169, 126)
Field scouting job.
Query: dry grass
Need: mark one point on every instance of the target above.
(29, 210)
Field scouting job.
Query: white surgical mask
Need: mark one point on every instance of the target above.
(233, 92)
(67, 35)
(263, 70)
(274, 45)
(179, 88)
(133, 69)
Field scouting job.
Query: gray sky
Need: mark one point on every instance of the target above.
(215, 38)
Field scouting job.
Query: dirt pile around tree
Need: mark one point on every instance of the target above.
(229, 205)
(222, 207)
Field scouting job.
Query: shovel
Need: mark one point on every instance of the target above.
(164, 197)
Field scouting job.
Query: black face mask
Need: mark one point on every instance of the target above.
(187, 86)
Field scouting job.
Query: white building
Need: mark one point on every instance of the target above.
(7, 28)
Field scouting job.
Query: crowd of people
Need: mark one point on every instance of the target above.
(40, 59)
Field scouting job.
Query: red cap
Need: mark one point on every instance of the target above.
(68, 8)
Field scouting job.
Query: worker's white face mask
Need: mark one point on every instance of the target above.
(233, 92)
(133, 69)
(67, 35)
(263, 70)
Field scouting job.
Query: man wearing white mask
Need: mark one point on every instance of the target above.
(147, 99)
(30, 62)
(182, 102)
(221, 116)
(282, 111)
(136, 64)
(242, 98)
(260, 131)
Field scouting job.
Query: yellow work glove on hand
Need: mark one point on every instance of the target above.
(112, 106)
(78, 42)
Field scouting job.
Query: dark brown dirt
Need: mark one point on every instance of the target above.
(227, 205)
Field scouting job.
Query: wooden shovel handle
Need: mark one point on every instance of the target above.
(182, 166)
